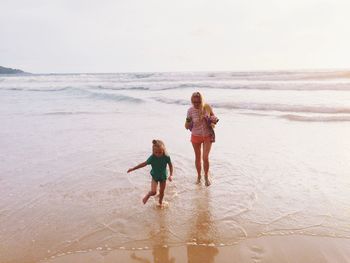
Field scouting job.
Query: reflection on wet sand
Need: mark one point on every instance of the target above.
(160, 239)
(160, 255)
(202, 233)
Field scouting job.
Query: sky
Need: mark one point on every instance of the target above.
(87, 36)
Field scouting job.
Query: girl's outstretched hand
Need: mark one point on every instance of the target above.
(130, 170)
(170, 178)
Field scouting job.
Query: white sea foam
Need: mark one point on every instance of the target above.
(279, 166)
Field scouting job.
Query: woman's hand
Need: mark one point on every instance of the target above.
(130, 170)
(188, 123)
(170, 178)
(214, 119)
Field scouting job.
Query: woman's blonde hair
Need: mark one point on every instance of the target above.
(159, 144)
(203, 107)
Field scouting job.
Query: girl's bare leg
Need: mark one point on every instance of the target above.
(198, 162)
(161, 191)
(206, 151)
(153, 191)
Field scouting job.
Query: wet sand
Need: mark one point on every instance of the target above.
(271, 249)
(280, 190)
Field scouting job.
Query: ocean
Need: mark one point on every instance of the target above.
(280, 165)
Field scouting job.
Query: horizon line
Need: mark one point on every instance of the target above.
(193, 71)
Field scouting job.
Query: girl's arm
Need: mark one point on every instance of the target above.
(171, 168)
(137, 167)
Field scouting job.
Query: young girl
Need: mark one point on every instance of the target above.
(158, 160)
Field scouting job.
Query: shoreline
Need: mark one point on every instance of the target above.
(271, 249)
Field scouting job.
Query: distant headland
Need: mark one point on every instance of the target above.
(4, 70)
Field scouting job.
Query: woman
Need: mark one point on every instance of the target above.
(201, 120)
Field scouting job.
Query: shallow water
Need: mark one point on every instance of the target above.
(280, 165)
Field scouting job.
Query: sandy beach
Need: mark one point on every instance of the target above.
(280, 169)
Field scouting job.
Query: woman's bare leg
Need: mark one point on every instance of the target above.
(153, 191)
(206, 151)
(198, 162)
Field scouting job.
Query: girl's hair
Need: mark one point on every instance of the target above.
(203, 105)
(159, 144)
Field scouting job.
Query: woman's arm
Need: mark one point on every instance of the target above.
(171, 168)
(188, 120)
(210, 110)
(137, 167)
(213, 118)
(187, 124)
